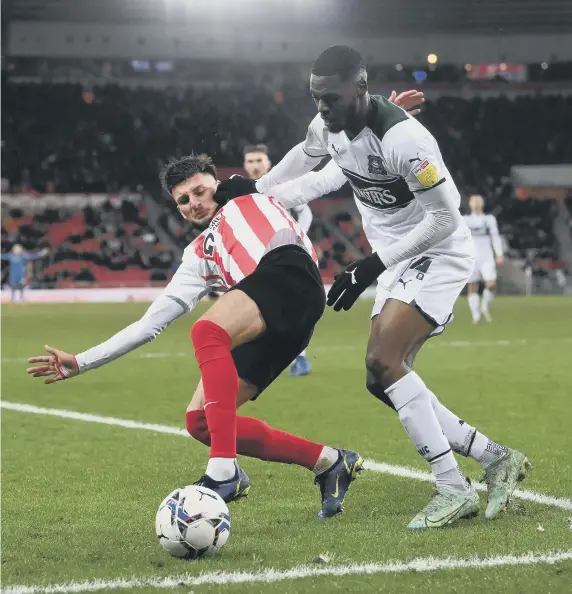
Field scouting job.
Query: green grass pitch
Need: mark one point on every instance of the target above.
(79, 499)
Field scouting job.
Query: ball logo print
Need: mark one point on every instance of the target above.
(192, 522)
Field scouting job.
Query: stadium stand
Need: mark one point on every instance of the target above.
(101, 240)
(63, 138)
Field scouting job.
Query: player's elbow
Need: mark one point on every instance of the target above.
(150, 328)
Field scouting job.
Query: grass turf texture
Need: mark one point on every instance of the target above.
(79, 499)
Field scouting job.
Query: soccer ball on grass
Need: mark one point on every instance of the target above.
(192, 522)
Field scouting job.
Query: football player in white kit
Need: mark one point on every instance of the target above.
(488, 245)
(256, 164)
(423, 257)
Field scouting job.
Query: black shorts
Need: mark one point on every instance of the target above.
(289, 292)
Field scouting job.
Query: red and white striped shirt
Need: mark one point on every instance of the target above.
(238, 237)
(241, 233)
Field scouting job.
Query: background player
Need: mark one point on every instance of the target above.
(274, 298)
(17, 259)
(423, 257)
(488, 244)
(256, 164)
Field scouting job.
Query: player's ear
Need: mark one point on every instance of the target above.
(217, 183)
(361, 88)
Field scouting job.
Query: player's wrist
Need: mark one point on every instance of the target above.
(377, 265)
(79, 364)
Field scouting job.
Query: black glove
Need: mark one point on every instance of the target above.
(353, 281)
(233, 187)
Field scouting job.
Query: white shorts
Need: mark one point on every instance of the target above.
(432, 282)
(485, 269)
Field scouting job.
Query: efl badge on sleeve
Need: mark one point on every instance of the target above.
(426, 173)
(375, 165)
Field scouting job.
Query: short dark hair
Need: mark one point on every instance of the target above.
(177, 171)
(255, 148)
(340, 60)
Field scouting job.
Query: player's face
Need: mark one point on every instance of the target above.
(195, 198)
(335, 99)
(476, 203)
(256, 164)
(17, 249)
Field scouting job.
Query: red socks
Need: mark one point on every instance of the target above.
(220, 383)
(257, 439)
(218, 425)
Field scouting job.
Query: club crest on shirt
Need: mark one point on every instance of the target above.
(375, 165)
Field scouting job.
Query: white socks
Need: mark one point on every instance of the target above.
(412, 400)
(486, 451)
(221, 469)
(453, 479)
(459, 434)
(327, 459)
(464, 438)
(474, 304)
(487, 298)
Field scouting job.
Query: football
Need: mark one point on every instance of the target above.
(192, 522)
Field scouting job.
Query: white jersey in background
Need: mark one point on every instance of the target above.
(488, 244)
(241, 233)
(407, 199)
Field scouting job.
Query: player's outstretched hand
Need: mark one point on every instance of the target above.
(55, 367)
(353, 281)
(500, 260)
(408, 100)
(233, 187)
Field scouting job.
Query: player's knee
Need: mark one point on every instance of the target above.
(375, 388)
(205, 331)
(208, 337)
(380, 361)
(197, 426)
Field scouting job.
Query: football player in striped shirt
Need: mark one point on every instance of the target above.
(488, 244)
(256, 164)
(423, 256)
(274, 297)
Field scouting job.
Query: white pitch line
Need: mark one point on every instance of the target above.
(419, 475)
(401, 471)
(268, 576)
(354, 347)
(77, 416)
